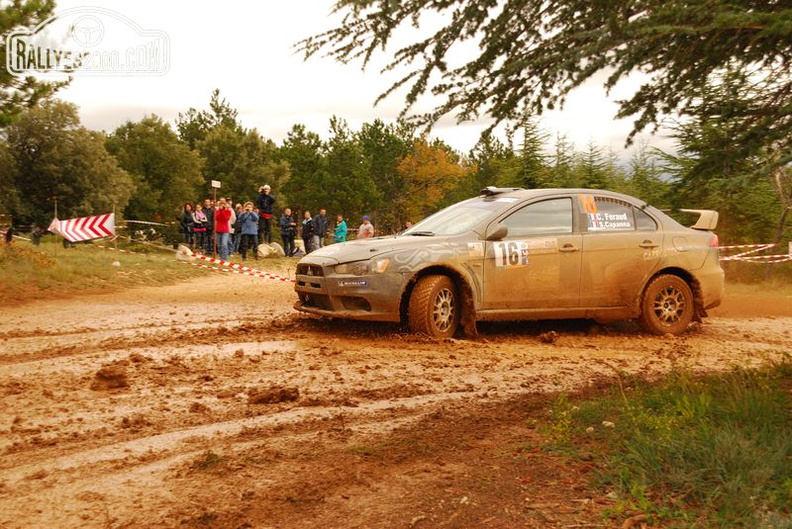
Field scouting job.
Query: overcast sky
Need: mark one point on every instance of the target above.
(245, 49)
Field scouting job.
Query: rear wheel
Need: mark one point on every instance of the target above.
(434, 307)
(667, 306)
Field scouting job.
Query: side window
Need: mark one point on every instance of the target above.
(606, 214)
(643, 222)
(540, 218)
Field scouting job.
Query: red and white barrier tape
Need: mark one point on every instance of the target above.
(754, 248)
(737, 246)
(241, 269)
(113, 249)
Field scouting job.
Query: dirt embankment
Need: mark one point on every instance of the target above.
(213, 404)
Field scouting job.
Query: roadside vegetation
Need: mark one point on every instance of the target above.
(30, 272)
(688, 451)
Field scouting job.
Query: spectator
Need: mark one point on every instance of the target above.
(288, 231)
(264, 203)
(35, 237)
(222, 218)
(209, 211)
(231, 225)
(199, 227)
(319, 229)
(248, 227)
(237, 237)
(366, 230)
(340, 231)
(187, 224)
(307, 232)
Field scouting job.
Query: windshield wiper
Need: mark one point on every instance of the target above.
(422, 233)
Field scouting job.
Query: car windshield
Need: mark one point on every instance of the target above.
(458, 218)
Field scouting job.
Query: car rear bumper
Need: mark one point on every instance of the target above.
(711, 278)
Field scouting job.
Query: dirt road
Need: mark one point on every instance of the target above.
(213, 404)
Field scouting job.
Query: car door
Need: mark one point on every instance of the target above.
(537, 264)
(621, 248)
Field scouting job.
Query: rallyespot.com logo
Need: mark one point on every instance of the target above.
(88, 41)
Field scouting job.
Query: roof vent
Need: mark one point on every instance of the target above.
(492, 190)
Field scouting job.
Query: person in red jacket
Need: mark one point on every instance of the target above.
(223, 228)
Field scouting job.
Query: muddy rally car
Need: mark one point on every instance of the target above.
(515, 254)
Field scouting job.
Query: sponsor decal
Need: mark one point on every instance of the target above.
(353, 282)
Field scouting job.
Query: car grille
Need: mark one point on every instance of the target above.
(309, 270)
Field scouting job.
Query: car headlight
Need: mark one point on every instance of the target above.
(361, 268)
(358, 268)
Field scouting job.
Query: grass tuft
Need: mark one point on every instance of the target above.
(30, 272)
(711, 451)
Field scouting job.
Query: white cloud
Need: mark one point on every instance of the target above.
(246, 50)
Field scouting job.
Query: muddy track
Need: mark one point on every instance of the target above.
(194, 404)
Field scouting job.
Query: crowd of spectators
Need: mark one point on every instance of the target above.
(227, 228)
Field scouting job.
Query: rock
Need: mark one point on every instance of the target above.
(199, 407)
(270, 250)
(183, 253)
(274, 395)
(110, 377)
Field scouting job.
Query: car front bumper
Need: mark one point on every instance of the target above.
(371, 297)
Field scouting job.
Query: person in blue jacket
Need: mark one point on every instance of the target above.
(248, 223)
(340, 231)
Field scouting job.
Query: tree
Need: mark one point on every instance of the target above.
(493, 163)
(592, 168)
(429, 173)
(303, 151)
(533, 167)
(9, 198)
(347, 183)
(710, 170)
(241, 159)
(383, 147)
(194, 125)
(533, 53)
(58, 159)
(166, 172)
(646, 177)
(561, 164)
(16, 92)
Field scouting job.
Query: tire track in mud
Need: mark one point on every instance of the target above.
(113, 455)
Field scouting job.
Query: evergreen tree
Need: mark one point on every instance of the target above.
(710, 171)
(303, 152)
(166, 172)
(17, 92)
(383, 147)
(533, 53)
(347, 185)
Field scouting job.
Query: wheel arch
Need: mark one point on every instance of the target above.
(688, 278)
(463, 284)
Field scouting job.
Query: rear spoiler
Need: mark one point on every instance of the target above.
(707, 220)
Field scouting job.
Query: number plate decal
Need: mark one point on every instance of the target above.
(509, 254)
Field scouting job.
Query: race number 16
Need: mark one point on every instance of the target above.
(513, 253)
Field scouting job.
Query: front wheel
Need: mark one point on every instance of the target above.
(434, 307)
(667, 306)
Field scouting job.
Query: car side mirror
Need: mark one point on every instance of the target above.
(497, 233)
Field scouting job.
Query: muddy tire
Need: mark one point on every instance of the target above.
(667, 306)
(434, 307)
